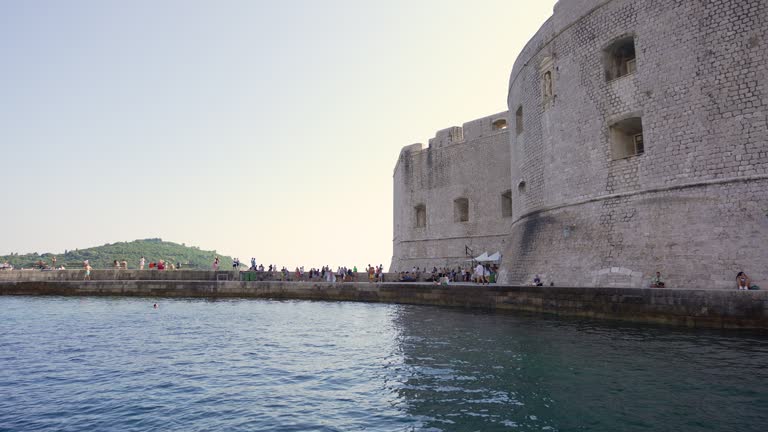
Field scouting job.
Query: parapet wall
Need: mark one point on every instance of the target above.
(470, 131)
(692, 308)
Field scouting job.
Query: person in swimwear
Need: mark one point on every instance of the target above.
(87, 271)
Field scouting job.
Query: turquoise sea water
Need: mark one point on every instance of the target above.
(97, 364)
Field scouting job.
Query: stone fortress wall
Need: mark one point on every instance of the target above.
(448, 196)
(638, 143)
(593, 206)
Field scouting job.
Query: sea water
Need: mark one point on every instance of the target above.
(119, 364)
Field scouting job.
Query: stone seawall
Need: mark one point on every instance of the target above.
(691, 308)
(111, 275)
(125, 275)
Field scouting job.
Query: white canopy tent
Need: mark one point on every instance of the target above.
(482, 258)
(495, 257)
(485, 258)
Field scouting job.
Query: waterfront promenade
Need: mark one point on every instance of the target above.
(678, 307)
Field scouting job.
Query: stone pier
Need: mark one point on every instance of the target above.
(678, 307)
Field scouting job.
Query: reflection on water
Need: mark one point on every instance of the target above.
(496, 372)
(118, 364)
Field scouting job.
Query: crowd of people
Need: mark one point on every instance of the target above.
(153, 265)
(41, 265)
(480, 274)
(325, 273)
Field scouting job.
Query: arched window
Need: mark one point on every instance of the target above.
(548, 90)
(521, 186)
(421, 216)
(619, 58)
(519, 120)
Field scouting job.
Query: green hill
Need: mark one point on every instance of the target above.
(102, 257)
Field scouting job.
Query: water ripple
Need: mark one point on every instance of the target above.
(118, 365)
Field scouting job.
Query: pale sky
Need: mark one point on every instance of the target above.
(258, 129)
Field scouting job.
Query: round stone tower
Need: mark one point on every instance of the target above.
(639, 143)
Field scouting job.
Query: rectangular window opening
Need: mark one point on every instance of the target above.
(627, 138)
(461, 210)
(506, 204)
(519, 121)
(421, 216)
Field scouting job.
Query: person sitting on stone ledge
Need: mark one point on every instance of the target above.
(433, 276)
(742, 281)
(537, 281)
(656, 281)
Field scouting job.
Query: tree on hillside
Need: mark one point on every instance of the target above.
(103, 256)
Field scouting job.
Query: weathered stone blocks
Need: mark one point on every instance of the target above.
(689, 198)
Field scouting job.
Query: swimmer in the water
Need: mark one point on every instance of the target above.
(155, 306)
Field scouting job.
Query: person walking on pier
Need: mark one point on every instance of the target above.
(142, 261)
(479, 273)
(216, 264)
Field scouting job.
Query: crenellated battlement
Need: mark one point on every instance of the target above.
(467, 132)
